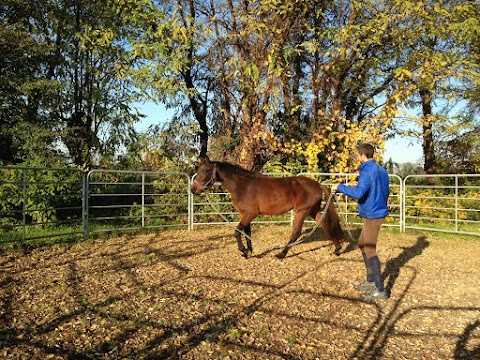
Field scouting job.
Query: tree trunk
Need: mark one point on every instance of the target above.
(199, 108)
(79, 139)
(249, 153)
(428, 144)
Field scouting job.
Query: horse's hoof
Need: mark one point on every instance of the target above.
(245, 253)
(337, 251)
(281, 255)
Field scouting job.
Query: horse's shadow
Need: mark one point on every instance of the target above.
(316, 236)
(319, 235)
(393, 266)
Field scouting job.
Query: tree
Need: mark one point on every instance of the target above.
(167, 147)
(438, 59)
(77, 90)
(23, 89)
(175, 67)
(460, 155)
(288, 71)
(405, 169)
(91, 50)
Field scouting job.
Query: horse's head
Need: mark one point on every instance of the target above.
(205, 177)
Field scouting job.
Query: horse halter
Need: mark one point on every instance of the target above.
(210, 182)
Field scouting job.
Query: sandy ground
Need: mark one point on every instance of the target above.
(191, 295)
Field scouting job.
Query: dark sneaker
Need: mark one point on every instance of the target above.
(375, 295)
(365, 286)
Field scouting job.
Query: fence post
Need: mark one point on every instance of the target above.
(456, 203)
(190, 202)
(143, 199)
(189, 205)
(24, 205)
(402, 205)
(86, 177)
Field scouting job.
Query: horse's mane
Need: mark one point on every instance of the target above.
(237, 169)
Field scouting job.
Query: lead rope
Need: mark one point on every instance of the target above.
(352, 239)
(317, 224)
(345, 222)
(229, 223)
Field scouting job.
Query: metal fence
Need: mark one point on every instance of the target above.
(49, 203)
(39, 203)
(447, 203)
(130, 200)
(66, 203)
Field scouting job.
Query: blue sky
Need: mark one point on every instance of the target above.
(400, 150)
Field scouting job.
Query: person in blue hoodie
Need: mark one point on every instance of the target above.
(372, 193)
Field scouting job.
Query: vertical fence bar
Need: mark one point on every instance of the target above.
(143, 199)
(190, 203)
(24, 205)
(87, 198)
(456, 203)
(402, 205)
(84, 212)
(402, 210)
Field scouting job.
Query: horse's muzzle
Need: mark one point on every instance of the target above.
(196, 188)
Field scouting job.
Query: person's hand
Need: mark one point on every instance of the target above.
(334, 188)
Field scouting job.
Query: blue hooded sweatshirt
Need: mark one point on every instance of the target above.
(372, 190)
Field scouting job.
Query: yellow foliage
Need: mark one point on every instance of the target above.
(336, 146)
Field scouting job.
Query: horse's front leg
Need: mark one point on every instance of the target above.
(247, 251)
(238, 235)
(298, 220)
(248, 233)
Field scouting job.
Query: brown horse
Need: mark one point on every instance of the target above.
(255, 194)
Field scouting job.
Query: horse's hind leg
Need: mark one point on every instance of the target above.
(297, 230)
(327, 226)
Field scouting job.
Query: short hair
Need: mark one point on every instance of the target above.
(366, 149)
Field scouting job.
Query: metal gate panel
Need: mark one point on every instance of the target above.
(445, 203)
(122, 200)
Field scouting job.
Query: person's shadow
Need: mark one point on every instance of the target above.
(393, 266)
(461, 350)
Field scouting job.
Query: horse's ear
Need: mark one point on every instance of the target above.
(205, 160)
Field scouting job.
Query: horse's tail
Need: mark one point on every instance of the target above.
(331, 220)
